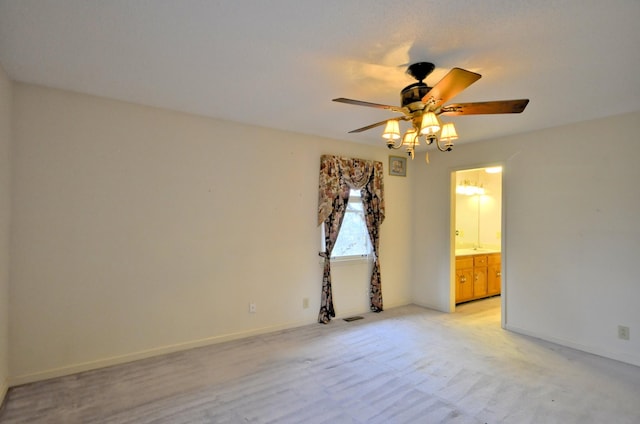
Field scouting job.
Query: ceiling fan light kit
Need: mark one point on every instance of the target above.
(448, 134)
(421, 105)
(429, 124)
(391, 131)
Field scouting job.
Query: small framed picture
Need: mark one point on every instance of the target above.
(398, 166)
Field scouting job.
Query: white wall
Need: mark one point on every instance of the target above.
(139, 231)
(572, 237)
(5, 212)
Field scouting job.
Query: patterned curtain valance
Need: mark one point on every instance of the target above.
(339, 174)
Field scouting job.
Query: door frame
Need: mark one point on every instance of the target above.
(503, 238)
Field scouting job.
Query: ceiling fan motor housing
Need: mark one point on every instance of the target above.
(413, 94)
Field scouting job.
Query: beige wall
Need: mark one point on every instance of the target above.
(5, 212)
(139, 231)
(571, 233)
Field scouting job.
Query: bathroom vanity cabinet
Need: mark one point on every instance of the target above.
(477, 276)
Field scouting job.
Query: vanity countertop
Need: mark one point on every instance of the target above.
(477, 251)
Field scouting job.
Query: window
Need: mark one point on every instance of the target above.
(353, 239)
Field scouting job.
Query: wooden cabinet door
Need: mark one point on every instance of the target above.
(479, 281)
(464, 284)
(494, 274)
(494, 279)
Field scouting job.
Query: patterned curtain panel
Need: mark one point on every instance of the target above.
(337, 176)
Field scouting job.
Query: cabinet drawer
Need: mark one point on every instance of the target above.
(465, 262)
(480, 260)
(494, 259)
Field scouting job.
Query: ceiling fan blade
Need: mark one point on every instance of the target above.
(453, 83)
(369, 104)
(377, 124)
(479, 108)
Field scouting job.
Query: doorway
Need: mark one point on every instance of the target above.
(476, 236)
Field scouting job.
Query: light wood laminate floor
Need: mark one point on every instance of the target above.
(405, 365)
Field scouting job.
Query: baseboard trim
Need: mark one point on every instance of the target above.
(4, 388)
(135, 356)
(341, 314)
(616, 356)
(431, 306)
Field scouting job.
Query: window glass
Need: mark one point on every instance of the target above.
(353, 239)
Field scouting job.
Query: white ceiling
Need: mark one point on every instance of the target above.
(278, 63)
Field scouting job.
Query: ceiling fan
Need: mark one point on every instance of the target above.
(421, 104)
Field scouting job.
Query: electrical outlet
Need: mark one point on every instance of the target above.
(623, 332)
(305, 303)
(252, 308)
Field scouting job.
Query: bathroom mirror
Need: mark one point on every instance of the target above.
(478, 209)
